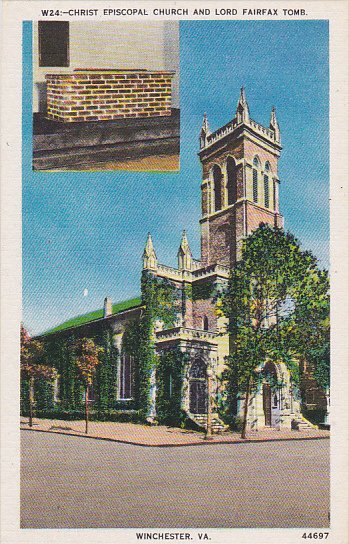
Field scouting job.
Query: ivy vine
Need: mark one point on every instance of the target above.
(203, 290)
(161, 301)
(169, 379)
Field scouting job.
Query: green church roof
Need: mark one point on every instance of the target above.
(92, 316)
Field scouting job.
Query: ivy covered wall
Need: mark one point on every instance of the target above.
(162, 302)
(203, 290)
(44, 395)
(169, 380)
(58, 353)
(107, 373)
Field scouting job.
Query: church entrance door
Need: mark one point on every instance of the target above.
(198, 397)
(271, 396)
(198, 387)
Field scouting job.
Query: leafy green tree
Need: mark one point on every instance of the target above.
(86, 354)
(277, 303)
(31, 369)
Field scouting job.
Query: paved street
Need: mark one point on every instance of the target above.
(68, 481)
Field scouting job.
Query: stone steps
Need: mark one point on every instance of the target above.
(217, 425)
(299, 423)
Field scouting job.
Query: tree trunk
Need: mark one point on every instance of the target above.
(86, 408)
(247, 400)
(31, 400)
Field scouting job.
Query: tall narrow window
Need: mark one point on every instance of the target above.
(205, 323)
(217, 180)
(91, 394)
(56, 390)
(266, 191)
(255, 185)
(126, 376)
(53, 43)
(232, 181)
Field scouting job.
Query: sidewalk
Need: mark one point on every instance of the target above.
(160, 436)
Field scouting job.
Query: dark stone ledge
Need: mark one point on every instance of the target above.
(68, 145)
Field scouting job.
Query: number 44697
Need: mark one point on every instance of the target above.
(315, 535)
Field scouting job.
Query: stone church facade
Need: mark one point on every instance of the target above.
(240, 190)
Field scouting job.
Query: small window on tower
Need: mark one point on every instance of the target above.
(255, 185)
(232, 181)
(267, 166)
(266, 191)
(53, 43)
(217, 181)
(256, 162)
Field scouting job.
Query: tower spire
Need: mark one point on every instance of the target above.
(274, 125)
(242, 110)
(150, 261)
(205, 126)
(205, 131)
(184, 255)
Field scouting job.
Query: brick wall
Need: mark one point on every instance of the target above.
(107, 95)
(257, 215)
(203, 308)
(218, 238)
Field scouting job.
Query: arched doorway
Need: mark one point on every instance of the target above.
(198, 387)
(271, 395)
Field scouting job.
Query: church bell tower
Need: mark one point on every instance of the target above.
(240, 184)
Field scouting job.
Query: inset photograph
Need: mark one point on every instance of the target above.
(106, 96)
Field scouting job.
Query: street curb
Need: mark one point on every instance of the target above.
(202, 443)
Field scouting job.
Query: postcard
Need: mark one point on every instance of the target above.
(174, 270)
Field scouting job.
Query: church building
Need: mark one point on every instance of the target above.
(176, 327)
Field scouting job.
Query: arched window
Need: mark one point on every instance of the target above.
(198, 387)
(255, 185)
(126, 376)
(256, 164)
(198, 370)
(231, 183)
(92, 397)
(205, 323)
(266, 191)
(217, 180)
(267, 167)
(56, 389)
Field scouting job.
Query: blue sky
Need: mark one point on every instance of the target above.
(87, 230)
